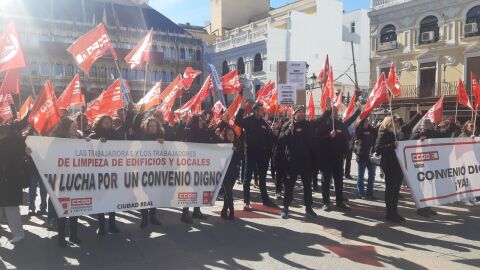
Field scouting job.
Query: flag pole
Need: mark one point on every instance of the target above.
(456, 111)
(475, 123)
(145, 83)
(121, 78)
(31, 84)
(391, 113)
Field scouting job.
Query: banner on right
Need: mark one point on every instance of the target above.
(441, 171)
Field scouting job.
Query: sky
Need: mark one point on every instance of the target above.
(197, 12)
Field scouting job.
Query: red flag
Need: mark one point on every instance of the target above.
(378, 95)
(26, 107)
(475, 90)
(72, 95)
(108, 102)
(91, 46)
(6, 99)
(233, 108)
(45, 114)
(351, 108)
(11, 82)
(11, 53)
(272, 106)
(393, 83)
(231, 83)
(217, 110)
(324, 72)
(462, 96)
(6, 113)
(436, 112)
(189, 76)
(338, 101)
(328, 90)
(267, 93)
(152, 98)
(311, 107)
(141, 53)
(193, 106)
(168, 97)
(265, 89)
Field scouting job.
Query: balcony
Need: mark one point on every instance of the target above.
(387, 46)
(436, 91)
(381, 4)
(241, 39)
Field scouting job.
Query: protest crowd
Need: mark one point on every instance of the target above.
(290, 142)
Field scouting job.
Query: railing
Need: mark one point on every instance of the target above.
(380, 4)
(241, 39)
(441, 89)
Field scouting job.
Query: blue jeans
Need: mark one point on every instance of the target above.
(371, 178)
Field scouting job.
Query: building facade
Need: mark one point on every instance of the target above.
(48, 27)
(255, 38)
(434, 43)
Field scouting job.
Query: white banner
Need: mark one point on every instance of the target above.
(296, 74)
(441, 171)
(85, 178)
(287, 94)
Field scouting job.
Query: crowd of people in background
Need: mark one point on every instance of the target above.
(290, 146)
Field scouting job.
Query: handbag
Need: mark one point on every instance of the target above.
(375, 158)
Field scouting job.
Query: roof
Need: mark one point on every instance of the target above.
(124, 13)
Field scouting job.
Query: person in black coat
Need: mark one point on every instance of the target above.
(366, 136)
(297, 136)
(13, 177)
(229, 136)
(279, 161)
(257, 137)
(103, 131)
(385, 146)
(151, 130)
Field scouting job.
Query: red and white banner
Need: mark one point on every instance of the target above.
(194, 105)
(72, 95)
(435, 114)
(141, 53)
(189, 76)
(168, 97)
(26, 107)
(11, 82)
(91, 46)
(231, 83)
(152, 98)
(393, 83)
(108, 102)
(441, 171)
(85, 178)
(350, 109)
(45, 114)
(462, 96)
(6, 113)
(378, 96)
(6, 98)
(11, 53)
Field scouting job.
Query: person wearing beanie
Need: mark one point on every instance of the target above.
(297, 136)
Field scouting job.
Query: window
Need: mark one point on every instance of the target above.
(388, 34)
(172, 76)
(429, 24)
(225, 68)
(428, 73)
(141, 75)
(58, 70)
(352, 27)
(240, 66)
(151, 76)
(173, 53)
(257, 63)
(182, 53)
(164, 77)
(132, 75)
(33, 68)
(473, 15)
(199, 55)
(124, 73)
(69, 70)
(93, 72)
(45, 69)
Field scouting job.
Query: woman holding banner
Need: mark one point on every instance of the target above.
(151, 130)
(67, 128)
(385, 146)
(103, 131)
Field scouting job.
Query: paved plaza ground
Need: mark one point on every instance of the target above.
(359, 239)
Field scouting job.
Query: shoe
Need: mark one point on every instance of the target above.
(17, 239)
(186, 219)
(144, 223)
(52, 225)
(32, 213)
(113, 228)
(423, 213)
(343, 207)
(468, 203)
(360, 197)
(279, 195)
(239, 181)
(223, 214)
(310, 213)
(431, 211)
(402, 219)
(255, 185)
(199, 215)
(349, 177)
(326, 208)
(231, 216)
(269, 203)
(154, 221)
(370, 198)
(476, 202)
(62, 242)
(42, 212)
(316, 188)
(75, 240)
(246, 207)
(395, 219)
(284, 214)
(101, 231)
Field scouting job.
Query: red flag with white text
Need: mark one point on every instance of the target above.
(378, 96)
(140, 54)
(91, 46)
(6, 113)
(11, 82)
(168, 97)
(189, 76)
(11, 53)
(72, 95)
(193, 106)
(475, 90)
(435, 114)
(324, 72)
(45, 114)
(310, 107)
(328, 91)
(152, 98)
(6, 99)
(351, 108)
(462, 96)
(393, 83)
(26, 107)
(231, 83)
(108, 102)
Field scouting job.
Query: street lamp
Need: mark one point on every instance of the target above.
(313, 81)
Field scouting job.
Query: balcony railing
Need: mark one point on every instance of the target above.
(434, 91)
(380, 4)
(241, 39)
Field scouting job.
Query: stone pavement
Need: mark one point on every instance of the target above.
(359, 239)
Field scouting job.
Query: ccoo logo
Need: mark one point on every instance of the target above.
(10, 50)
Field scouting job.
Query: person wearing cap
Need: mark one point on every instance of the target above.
(297, 136)
(257, 137)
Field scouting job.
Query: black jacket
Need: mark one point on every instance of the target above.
(13, 171)
(365, 142)
(196, 135)
(299, 145)
(258, 134)
(385, 146)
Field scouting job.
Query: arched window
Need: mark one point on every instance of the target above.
(473, 15)
(388, 34)
(429, 24)
(225, 68)
(240, 66)
(257, 63)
